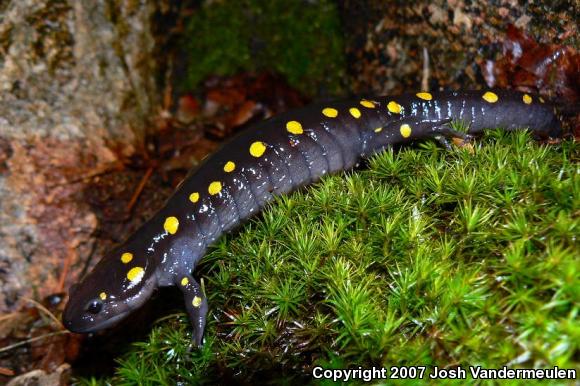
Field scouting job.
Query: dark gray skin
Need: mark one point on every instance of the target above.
(164, 254)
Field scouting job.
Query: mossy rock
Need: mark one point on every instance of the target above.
(298, 39)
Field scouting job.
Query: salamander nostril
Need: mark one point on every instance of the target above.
(95, 307)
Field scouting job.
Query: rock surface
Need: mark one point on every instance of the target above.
(60, 377)
(76, 80)
(387, 42)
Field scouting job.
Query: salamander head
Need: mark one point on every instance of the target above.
(119, 283)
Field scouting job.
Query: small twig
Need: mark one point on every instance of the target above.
(65, 268)
(31, 340)
(139, 189)
(46, 311)
(6, 371)
(426, 71)
(99, 172)
(168, 317)
(8, 316)
(168, 92)
(88, 260)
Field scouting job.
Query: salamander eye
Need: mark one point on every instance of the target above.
(95, 307)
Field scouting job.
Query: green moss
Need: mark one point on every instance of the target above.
(301, 40)
(429, 257)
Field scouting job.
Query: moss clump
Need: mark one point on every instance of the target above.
(429, 257)
(301, 40)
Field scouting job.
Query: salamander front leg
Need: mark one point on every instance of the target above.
(196, 305)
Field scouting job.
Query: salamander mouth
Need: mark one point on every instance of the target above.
(84, 327)
(77, 319)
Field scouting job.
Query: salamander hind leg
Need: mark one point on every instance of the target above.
(414, 128)
(445, 134)
(196, 305)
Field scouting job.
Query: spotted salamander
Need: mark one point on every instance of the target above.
(274, 157)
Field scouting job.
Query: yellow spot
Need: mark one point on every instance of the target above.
(214, 188)
(354, 112)
(368, 104)
(229, 167)
(257, 149)
(490, 97)
(330, 112)
(294, 127)
(103, 295)
(184, 281)
(194, 197)
(541, 99)
(527, 99)
(394, 107)
(196, 302)
(425, 96)
(126, 257)
(135, 274)
(171, 224)
(378, 129)
(405, 130)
